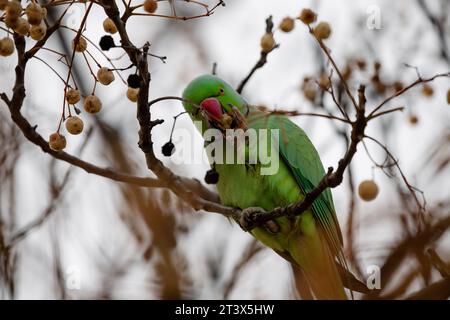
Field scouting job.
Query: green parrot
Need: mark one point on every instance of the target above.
(312, 241)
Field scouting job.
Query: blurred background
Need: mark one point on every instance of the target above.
(70, 235)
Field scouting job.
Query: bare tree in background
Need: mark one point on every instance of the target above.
(158, 208)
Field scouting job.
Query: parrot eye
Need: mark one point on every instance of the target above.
(213, 108)
(221, 91)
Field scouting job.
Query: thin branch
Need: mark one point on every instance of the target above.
(411, 188)
(412, 85)
(57, 191)
(438, 263)
(249, 253)
(408, 245)
(295, 113)
(330, 58)
(436, 291)
(382, 113)
(262, 59)
(440, 29)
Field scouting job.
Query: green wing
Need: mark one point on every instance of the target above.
(301, 156)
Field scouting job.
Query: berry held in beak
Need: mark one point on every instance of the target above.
(213, 108)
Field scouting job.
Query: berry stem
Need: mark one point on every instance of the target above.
(174, 123)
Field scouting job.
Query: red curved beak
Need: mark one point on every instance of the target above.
(213, 108)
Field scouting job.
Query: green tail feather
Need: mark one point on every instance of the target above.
(312, 255)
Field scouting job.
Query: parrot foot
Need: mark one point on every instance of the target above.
(250, 216)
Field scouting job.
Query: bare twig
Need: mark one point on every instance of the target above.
(330, 58)
(408, 245)
(249, 253)
(262, 59)
(438, 263)
(57, 191)
(400, 92)
(440, 30)
(437, 291)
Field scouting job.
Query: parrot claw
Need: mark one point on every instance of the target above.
(251, 214)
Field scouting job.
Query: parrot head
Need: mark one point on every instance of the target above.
(214, 102)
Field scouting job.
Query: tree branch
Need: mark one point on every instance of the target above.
(440, 29)
(436, 291)
(14, 104)
(373, 114)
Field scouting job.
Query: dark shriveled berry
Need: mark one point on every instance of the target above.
(212, 176)
(168, 149)
(106, 43)
(134, 81)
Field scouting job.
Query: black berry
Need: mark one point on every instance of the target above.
(168, 149)
(212, 176)
(134, 81)
(106, 43)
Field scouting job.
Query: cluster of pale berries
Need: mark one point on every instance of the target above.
(29, 24)
(321, 31)
(105, 76)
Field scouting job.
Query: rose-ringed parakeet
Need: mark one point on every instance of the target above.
(312, 241)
